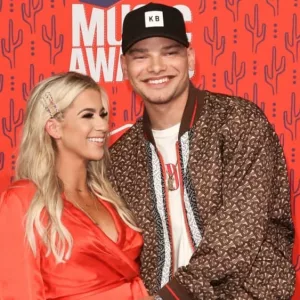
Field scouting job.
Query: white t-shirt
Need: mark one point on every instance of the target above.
(166, 144)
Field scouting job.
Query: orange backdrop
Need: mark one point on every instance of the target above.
(246, 48)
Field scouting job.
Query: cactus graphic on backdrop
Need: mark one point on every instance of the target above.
(261, 104)
(258, 33)
(275, 6)
(292, 119)
(1, 82)
(11, 124)
(136, 109)
(273, 71)
(297, 264)
(217, 46)
(30, 11)
(202, 7)
(54, 40)
(254, 99)
(2, 160)
(201, 85)
(295, 189)
(281, 139)
(26, 88)
(292, 40)
(9, 50)
(231, 81)
(233, 6)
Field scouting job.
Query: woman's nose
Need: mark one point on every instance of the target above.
(101, 124)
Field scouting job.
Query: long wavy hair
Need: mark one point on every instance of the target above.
(37, 162)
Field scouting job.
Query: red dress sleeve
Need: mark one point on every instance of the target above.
(20, 276)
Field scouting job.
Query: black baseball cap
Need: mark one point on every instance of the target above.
(153, 20)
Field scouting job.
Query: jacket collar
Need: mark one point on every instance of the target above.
(191, 113)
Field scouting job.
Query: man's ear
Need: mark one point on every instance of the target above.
(191, 58)
(53, 128)
(124, 67)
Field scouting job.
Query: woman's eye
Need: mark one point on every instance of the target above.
(103, 114)
(88, 116)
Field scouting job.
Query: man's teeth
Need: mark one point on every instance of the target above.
(96, 140)
(158, 81)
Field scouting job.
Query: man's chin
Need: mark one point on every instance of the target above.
(159, 101)
(159, 98)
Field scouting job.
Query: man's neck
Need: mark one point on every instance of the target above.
(163, 116)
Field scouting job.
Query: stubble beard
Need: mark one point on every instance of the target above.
(158, 100)
(161, 99)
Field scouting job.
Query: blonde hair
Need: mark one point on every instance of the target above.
(37, 161)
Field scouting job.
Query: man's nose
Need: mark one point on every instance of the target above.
(157, 64)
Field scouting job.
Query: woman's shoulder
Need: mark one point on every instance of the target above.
(20, 191)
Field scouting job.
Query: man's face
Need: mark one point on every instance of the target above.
(158, 69)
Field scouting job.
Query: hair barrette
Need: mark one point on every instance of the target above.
(49, 104)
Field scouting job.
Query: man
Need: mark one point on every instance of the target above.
(203, 173)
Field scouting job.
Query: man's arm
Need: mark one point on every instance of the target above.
(245, 252)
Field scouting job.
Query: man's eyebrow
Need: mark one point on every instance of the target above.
(172, 46)
(133, 50)
(136, 50)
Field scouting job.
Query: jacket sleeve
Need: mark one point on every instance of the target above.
(20, 276)
(245, 252)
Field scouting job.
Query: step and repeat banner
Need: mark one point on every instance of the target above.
(249, 48)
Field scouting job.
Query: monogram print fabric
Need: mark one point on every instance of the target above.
(236, 180)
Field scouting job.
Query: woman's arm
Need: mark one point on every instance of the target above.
(20, 276)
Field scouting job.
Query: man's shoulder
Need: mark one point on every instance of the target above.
(234, 107)
(129, 139)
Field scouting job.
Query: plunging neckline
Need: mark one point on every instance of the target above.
(116, 219)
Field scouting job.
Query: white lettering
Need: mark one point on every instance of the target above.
(99, 66)
(80, 25)
(187, 16)
(112, 31)
(119, 75)
(77, 61)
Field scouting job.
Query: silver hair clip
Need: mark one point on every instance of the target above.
(49, 104)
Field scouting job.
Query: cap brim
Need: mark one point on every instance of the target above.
(149, 35)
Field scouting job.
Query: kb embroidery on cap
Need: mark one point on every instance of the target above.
(49, 104)
(154, 19)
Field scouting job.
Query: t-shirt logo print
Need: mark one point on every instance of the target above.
(154, 19)
(172, 177)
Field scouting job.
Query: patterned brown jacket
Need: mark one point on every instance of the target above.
(235, 195)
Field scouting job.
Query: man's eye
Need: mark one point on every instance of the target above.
(139, 57)
(103, 114)
(172, 53)
(88, 116)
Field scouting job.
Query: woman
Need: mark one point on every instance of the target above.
(64, 233)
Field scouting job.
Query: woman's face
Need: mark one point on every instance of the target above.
(84, 127)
